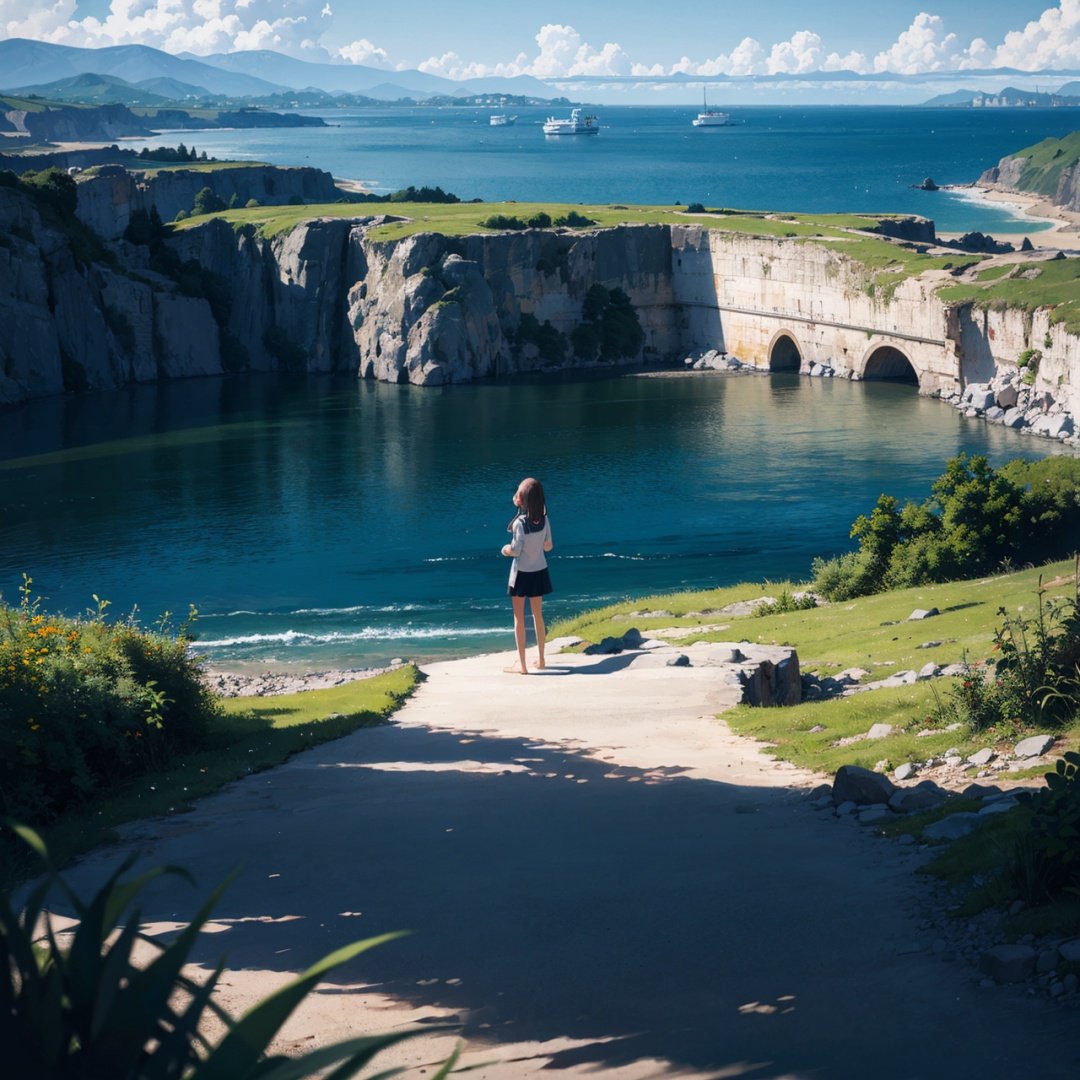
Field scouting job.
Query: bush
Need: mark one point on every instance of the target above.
(610, 326)
(503, 222)
(423, 195)
(251, 204)
(1036, 679)
(550, 342)
(1046, 859)
(574, 220)
(976, 519)
(696, 208)
(785, 602)
(541, 220)
(86, 703)
(87, 1009)
(207, 201)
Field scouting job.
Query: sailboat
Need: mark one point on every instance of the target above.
(710, 117)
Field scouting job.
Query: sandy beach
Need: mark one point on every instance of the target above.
(1064, 231)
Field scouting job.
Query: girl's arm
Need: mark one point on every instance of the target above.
(517, 542)
(547, 538)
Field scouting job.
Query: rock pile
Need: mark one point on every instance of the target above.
(1009, 400)
(1047, 965)
(755, 674)
(713, 360)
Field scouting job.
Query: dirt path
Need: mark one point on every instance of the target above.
(601, 879)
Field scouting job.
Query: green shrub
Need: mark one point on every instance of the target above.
(574, 220)
(85, 703)
(86, 1009)
(541, 220)
(251, 204)
(1046, 859)
(1035, 681)
(207, 201)
(786, 602)
(976, 519)
(696, 208)
(610, 326)
(550, 342)
(506, 222)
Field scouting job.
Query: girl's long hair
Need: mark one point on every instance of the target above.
(534, 507)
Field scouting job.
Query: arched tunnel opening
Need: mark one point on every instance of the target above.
(890, 365)
(785, 355)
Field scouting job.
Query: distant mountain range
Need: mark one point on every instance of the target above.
(37, 67)
(1009, 97)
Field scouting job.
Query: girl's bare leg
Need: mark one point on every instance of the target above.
(519, 635)
(536, 603)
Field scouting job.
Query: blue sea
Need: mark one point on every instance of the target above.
(327, 522)
(814, 159)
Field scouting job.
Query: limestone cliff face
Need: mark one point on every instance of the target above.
(69, 321)
(430, 309)
(107, 201)
(434, 309)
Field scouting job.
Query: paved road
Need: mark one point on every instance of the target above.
(601, 879)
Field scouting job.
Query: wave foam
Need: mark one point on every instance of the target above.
(368, 633)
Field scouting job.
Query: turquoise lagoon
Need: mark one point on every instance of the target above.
(324, 521)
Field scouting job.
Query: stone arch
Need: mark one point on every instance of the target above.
(886, 363)
(784, 353)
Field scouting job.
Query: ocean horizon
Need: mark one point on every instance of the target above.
(815, 159)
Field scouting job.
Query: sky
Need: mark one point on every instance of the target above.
(560, 40)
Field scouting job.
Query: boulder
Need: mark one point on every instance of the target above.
(858, 785)
(1035, 746)
(982, 757)
(924, 796)
(681, 660)
(1013, 418)
(632, 639)
(768, 683)
(606, 647)
(920, 613)
(904, 772)
(929, 671)
(1007, 396)
(1009, 963)
(880, 731)
(953, 827)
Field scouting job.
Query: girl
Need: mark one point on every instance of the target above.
(531, 537)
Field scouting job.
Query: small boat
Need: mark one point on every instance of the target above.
(710, 117)
(575, 125)
(502, 120)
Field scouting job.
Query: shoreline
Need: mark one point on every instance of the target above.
(1064, 224)
(270, 683)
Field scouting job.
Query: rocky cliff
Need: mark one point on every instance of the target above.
(107, 200)
(79, 312)
(1050, 169)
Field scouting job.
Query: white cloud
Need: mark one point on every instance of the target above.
(304, 27)
(801, 53)
(1051, 41)
(365, 52)
(923, 46)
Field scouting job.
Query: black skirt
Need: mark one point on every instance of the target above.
(530, 583)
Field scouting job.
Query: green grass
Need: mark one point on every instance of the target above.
(150, 169)
(871, 632)
(1045, 163)
(1057, 287)
(254, 734)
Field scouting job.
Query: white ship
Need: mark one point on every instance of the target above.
(710, 117)
(502, 120)
(576, 125)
